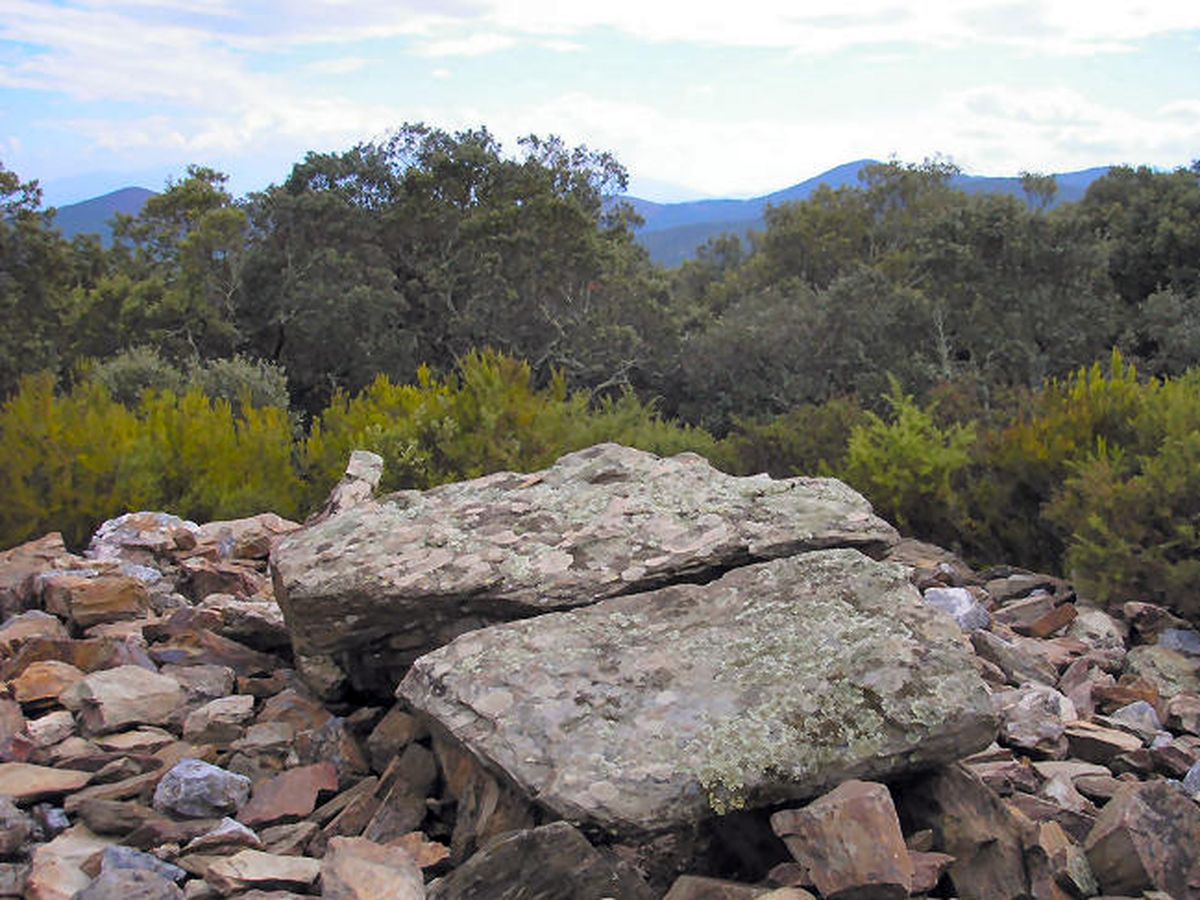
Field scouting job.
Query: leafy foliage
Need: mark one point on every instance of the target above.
(487, 417)
(910, 467)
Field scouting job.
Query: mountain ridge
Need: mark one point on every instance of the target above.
(672, 232)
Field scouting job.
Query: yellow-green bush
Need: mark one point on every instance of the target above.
(486, 417)
(910, 468)
(1019, 468)
(68, 461)
(1132, 513)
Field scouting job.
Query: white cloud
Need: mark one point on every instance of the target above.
(442, 74)
(471, 45)
(342, 65)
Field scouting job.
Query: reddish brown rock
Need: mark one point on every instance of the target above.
(34, 623)
(86, 601)
(220, 721)
(1054, 620)
(127, 695)
(12, 725)
(1146, 838)
(1033, 719)
(358, 869)
(206, 577)
(698, 887)
(333, 742)
(972, 824)
(1183, 713)
(44, 680)
(927, 869)
(425, 853)
(1097, 744)
(850, 841)
(251, 869)
(257, 623)
(1016, 661)
(50, 729)
(196, 647)
(1058, 866)
(248, 538)
(15, 827)
(26, 783)
(292, 795)
(57, 870)
(90, 654)
(19, 566)
(393, 733)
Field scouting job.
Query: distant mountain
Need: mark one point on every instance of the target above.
(673, 231)
(92, 216)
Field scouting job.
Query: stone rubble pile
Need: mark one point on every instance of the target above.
(623, 677)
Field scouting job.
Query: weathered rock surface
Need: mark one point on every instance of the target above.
(553, 862)
(126, 695)
(199, 789)
(1147, 838)
(386, 581)
(358, 869)
(773, 683)
(850, 842)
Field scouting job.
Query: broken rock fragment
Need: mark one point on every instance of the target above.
(196, 789)
(850, 842)
(1146, 839)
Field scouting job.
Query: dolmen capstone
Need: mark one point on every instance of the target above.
(634, 643)
(368, 590)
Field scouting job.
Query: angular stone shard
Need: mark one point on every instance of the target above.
(850, 842)
(358, 869)
(547, 863)
(387, 581)
(1147, 838)
(127, 695)
(776, 682)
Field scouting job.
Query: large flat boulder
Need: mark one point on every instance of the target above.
(773, 683)
(369, 590)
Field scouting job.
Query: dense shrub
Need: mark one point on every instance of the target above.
(485, 417)
(68, 461)
(911, 468)
(132, 371)
(809, 440)
(1019, 468)
(1132, 513)
(237, 378)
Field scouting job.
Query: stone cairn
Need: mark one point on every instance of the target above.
(620, 677)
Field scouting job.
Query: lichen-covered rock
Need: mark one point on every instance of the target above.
(775, 682)
(387, 581)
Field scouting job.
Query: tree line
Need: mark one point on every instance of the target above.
(902, 334)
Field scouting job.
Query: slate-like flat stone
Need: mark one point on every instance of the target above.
(384, 582)
(773, 683)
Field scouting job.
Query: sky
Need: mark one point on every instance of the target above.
(695, 98)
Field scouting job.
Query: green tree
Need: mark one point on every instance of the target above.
(35, 279)
(174, 277)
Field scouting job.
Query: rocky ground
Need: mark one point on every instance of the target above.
(620, 677)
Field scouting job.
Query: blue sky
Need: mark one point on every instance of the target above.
(695, 98)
